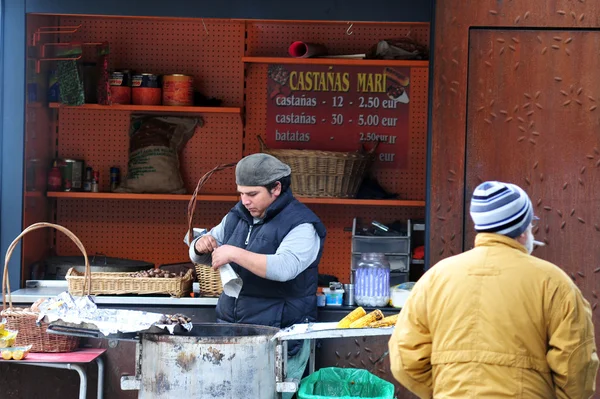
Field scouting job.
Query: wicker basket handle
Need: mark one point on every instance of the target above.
(263, 145)
(11, 248)
(194, 199)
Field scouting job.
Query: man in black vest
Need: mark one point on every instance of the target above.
(274, 243)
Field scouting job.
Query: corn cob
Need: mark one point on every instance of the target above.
(352, 316)
(367, 319)
(385, 322)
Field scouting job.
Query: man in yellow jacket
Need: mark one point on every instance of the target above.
(496, 322)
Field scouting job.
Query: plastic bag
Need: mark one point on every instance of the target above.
(347, 383)
(403, 48)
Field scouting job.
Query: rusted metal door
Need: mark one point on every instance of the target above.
(533, 120)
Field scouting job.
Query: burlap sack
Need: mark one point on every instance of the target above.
(154, 146)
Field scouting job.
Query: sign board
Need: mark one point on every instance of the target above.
(340, 108)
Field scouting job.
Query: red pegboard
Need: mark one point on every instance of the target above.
(101, 139)
(272, 39)
(213, 56)
(145, 230)
(153, 230)
(39, 149)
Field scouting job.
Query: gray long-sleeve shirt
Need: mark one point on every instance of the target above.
(297, 251)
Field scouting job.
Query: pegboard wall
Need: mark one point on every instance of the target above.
(147, 230)
(272, 39)
(101, 139)
(211, 51)
(39, 150)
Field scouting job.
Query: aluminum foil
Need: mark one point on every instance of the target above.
(83, 310)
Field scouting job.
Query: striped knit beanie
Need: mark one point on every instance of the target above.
(501, 208)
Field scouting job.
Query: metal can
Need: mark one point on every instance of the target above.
(87, 183)
(178, 90)
(72, 174)
(96, 182)
(115, 178)
(119, 78)
(145, 80)
(145, 89)
(120, 87)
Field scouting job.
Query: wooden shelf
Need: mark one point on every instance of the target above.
(228, 198)
(335, 61)
(361, 202)
(147, 197)
(151, 108)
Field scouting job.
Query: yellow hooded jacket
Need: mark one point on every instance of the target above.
(495, 322)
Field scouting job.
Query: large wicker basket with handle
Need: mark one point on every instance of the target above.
(209, 280)
(324, 173)
(24, 320)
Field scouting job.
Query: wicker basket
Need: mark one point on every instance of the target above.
(209, 280)
(324, 173)
(122, 283)
(24, 321)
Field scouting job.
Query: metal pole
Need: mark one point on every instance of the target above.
(100, 377)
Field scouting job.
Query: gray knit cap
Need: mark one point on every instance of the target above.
(260, 170)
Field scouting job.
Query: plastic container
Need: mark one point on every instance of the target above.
(400, 293)
(333, 297)
(379, 244)
(346, 383)
(372, 280)
(321, 300)
(15, 353)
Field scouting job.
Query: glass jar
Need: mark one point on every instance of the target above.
(372, 280)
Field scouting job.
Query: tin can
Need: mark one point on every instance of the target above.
(96, 182)
(120, 87)
(87, 183)
(119, 78)
(145, 89)
(145, 80)
(178, 90)
(115, 178)
(72, 174)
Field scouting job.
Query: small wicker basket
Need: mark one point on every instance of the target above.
(25, 321)
(324, 173)
(209, 280)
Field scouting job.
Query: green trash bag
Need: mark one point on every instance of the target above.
(347, 383)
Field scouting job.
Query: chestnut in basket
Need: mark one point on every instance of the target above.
(155, 273)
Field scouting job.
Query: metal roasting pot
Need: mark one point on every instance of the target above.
(211, 361)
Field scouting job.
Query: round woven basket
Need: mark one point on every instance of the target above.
(25, 320)
(324, 173)
(209, 280)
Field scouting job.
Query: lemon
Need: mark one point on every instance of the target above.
(6, 355)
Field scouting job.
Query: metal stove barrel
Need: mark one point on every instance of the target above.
(212, 361)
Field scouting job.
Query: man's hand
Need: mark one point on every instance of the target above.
(223, 255)
(206, 244)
